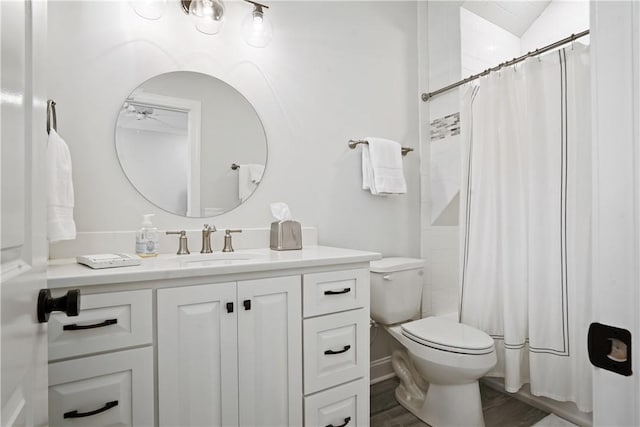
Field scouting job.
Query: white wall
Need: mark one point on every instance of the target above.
(440, 57)
(559, 20)
(483, 44)
(334, 71)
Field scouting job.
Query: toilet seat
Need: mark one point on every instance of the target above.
(447, 335)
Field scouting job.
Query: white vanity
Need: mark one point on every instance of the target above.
(255, 337)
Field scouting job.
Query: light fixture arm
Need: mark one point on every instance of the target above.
(255, 3)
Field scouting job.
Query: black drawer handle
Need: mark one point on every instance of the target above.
(346, 421)
(229, 307)
(76, 327)
(344, 291)
(346, 348)
(76, 414)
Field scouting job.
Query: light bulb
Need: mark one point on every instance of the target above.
(149, 9)
(207, 15)
(256, 28)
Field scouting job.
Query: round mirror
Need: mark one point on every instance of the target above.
(191, 144)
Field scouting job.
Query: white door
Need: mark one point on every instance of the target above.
(23, 373)
(198, 356)
(615, 44)
(270, 352)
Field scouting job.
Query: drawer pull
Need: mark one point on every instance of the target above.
(346, 421)
(76, 327)
(229, 307)
(76, 414)
(247, 304)
(345, 349)
(344, 291)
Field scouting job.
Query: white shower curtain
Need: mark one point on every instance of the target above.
(525, 221)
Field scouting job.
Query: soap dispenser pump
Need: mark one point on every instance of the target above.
(147, 238)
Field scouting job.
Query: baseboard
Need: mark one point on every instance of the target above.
(566, 410)
(381, 370)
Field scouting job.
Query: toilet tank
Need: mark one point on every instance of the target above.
(396, 289)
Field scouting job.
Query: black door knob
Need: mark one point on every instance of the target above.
(69, 304)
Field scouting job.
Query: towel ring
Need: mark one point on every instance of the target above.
(52, 119)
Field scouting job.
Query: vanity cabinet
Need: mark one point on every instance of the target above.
(230, 354)
(281, 343)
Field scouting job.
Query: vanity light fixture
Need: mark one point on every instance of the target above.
(149, 9)
(256, 28)
(207, 15)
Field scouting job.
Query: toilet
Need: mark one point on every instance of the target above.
(442, 359)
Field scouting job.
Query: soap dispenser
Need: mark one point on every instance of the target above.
(147, 238)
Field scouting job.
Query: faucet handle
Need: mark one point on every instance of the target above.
(228, 247)
(182, 248)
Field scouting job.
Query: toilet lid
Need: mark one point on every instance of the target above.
(448, 335)
(395, 264)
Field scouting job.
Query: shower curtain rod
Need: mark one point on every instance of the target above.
(572, 37)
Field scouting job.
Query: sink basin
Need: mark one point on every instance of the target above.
(220, 258)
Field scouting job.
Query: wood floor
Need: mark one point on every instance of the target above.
(500, 410)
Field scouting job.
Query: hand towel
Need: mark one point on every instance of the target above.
(60, 197)
(255, 173)
(382, 171)
(249, 176)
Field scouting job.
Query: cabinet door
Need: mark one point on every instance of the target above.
(197, 356)
(270, 352)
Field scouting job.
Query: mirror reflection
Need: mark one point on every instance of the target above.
(191, 144)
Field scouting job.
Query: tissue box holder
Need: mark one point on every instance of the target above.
(286, 235)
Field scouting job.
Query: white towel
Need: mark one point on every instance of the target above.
(382, 167)
(249, 176)
(255, 173)
(60, 198)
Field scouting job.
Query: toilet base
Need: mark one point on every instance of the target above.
(446, 405)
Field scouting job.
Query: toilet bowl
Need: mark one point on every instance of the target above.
(442, 359)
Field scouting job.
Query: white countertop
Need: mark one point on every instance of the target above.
(63, 273)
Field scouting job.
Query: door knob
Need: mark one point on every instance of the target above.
(69, 304)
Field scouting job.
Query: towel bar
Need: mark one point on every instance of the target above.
(353, 143)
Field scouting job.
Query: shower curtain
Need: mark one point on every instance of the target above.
(525, 221)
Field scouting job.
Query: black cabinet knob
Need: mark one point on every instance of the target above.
(69, 304)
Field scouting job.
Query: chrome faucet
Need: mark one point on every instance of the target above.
(206, 238)
(228, 247)
(182, 249)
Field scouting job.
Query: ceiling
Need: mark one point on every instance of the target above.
(515, 16)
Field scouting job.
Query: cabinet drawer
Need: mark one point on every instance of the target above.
(106, 322)
(335, 291)
(346, 405)
(335, 349)
(109, 390)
